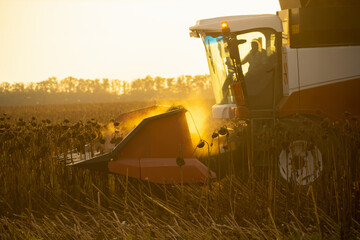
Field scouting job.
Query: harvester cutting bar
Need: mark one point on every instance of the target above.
(73, 157)
(158, 149)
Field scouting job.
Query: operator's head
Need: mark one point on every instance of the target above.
(255, 45)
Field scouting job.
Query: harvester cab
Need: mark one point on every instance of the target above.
(245, 77)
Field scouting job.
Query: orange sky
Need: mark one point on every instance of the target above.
(124, 39)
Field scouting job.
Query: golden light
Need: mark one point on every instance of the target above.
(224, 25)
(199, 122)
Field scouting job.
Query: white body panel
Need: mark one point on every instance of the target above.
(223, 111)
(239, 23)
(305, 68)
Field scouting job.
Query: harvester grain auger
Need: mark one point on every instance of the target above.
(159, 149)
(300, 65)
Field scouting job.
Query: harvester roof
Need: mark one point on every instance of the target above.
(239, 23)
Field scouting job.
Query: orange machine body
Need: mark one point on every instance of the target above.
(330, 101)
(150, 151)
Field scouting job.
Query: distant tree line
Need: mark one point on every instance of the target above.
(74, 90)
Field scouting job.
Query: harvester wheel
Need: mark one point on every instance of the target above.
(301, 163)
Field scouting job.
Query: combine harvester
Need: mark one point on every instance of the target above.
(305, 60)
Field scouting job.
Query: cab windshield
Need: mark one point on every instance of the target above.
(258, 58)
(220, 67)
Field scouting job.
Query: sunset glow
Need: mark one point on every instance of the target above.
(107, 39)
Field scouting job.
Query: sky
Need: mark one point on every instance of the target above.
(115, 39)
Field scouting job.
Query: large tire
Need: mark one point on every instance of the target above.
(301, 158)
(300, 164)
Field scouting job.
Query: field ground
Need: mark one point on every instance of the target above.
(40, 198)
